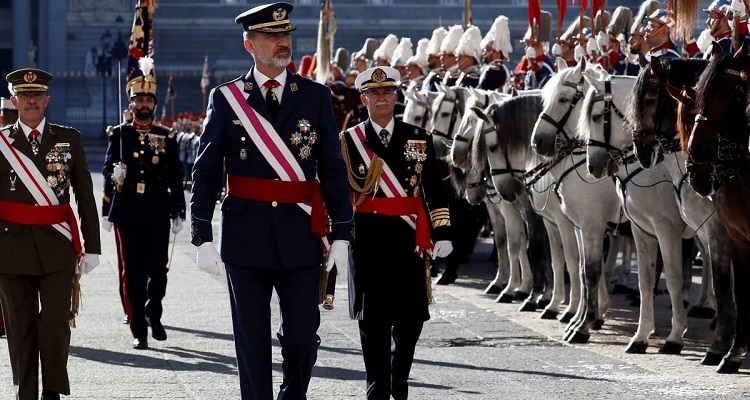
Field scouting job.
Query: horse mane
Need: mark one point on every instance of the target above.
(705, 83)
(634, 103)
(478, 151)
(685, 121)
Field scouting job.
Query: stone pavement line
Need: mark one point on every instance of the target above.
(472, 349)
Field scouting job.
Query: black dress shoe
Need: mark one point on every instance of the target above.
(157, 330)
(140, 344)
(446, 279)
(399, 389)
(50, 395)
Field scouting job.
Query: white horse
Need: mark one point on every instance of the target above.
(459, 152)
(418, 109)
(589, 203)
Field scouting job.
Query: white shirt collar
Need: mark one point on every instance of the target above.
(27, 129)
(260, 78)
(388, 127)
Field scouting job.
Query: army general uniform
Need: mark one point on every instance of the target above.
(40, 261)
(388, 279)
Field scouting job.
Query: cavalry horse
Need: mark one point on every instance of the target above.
(590, 204)
(347, 106)
(720, 138)
(504, 144)
(651, 118)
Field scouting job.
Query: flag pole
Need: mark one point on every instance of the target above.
(467, 13)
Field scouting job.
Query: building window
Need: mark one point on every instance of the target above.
(380, 2)
(452, 2)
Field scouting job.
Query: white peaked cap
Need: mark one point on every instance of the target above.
(402, 53)
(498, 36)
(450, 43)
(470, 43)
(420, 57)
(386, 48)
(438, 35)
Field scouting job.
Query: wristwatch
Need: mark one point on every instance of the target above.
(197, 241)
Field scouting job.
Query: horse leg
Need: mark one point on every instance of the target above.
(604, 304)
(539, 258)
(572, 260)
(717, 261)
(741, 260)
(558, 267)
(688, 247)
(706, 291)
(582, 292)
(592, 273)
(646, 249)
(514, 228)
(612, 245)
(500, 237)
(671, 248)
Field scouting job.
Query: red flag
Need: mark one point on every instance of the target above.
(535, 12)
(597, 5)
(583, 4)
(562, 8)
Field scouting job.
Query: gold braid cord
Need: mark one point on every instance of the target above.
(372, 178)
(75, 299)
(428, 279)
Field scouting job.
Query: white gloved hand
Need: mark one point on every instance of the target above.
(579, 53)
(209, 259)
(530, 54)
(106, 225)
(177, 225)
(338, 255)
(738, 8)
(602, 39)
(704, 40)
(442, 249)
(88, 263)
(592, 47)
(557, 50)
(118, 174)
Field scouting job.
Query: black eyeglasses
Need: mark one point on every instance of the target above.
(37, 96)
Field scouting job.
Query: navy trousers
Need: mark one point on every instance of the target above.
(250, 292)
(388, 350)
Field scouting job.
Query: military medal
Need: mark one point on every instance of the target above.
(13, 183)
(51, 181)
(155, 159)
(243, 154)
(361, 169)
(418, 168)
(293, 86)
(304, 152)
(140, 188)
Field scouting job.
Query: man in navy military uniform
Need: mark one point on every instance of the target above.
(142, 192)
(274, 132)
(393, 171)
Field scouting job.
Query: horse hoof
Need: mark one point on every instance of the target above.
(637, 348)
(728, 366)
(567, 335)
(620, 289)
(565, 318)
(504, 298)
(695, 312)
(711, 358)
(598, 324)
(520, 296)
(492, 289)
(527, 306)
(579, 337)
(636, 302)
(548, 314)
(543, 303)
(671, 348)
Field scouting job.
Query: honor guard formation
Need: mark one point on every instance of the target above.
(567, 145)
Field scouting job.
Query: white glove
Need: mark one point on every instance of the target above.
(106, 225)
(579, 53)
(602, 39)
(338, 255)
(209, 259)
(118, 174)
(530, 54)
(177, 225)
(591, 47)
(738, 8)
(442, 248)
(88, 263)
(704, 40)
(557, 50)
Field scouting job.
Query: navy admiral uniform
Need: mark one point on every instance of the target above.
(267, 240)
(140, 208)
(388, 280)
(39, 259)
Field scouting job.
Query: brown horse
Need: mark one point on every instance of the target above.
(720, 138)
(347, 106)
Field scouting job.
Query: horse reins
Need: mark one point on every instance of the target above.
(560, 125)
(454, 117)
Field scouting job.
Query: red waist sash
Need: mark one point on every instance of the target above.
(397, 206)
(283, 192)
(28, 214)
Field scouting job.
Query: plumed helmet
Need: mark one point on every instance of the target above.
(498, 37)
(436, 40)
(621, 20)
(470, 43)
(420, 56)
(386, 48)
(402, 53)
(450, 43)
(646, 9)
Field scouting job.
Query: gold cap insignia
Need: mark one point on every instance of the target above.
(379, 75)
(279, 14)
(30, 77)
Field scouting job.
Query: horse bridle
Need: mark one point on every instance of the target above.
(454, 117)
(508, 168)
(427, 110)
(656, 137)
(616, 154)
(482, 105)
(564, 140)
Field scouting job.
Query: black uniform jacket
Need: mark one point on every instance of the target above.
(386, 276)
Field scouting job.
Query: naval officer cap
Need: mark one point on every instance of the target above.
(29, 80)
(267, 18)
(377, 77)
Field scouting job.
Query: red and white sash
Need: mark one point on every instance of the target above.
(388, 181)
(266, 139)
(32, 179)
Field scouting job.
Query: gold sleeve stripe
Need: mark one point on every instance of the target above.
(439, 212)
(441, 222)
